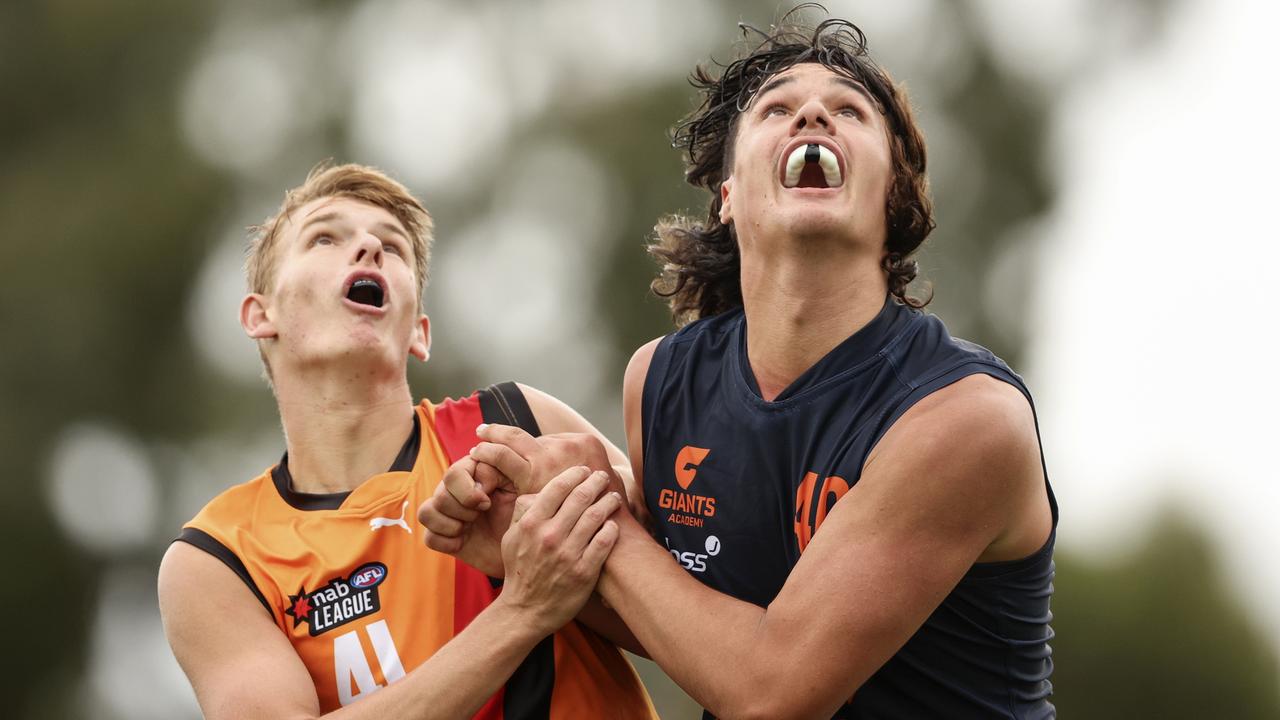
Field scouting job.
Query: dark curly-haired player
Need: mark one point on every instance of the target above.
(856, 501)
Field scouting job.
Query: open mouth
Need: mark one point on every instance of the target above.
(812, 166)
(366, 291)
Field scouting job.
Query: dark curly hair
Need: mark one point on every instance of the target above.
(700, 260)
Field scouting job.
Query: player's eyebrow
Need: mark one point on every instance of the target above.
(391, 229)
(317, 219)
(856, 86)
(850, 83)
(382, 226)
(773, 84)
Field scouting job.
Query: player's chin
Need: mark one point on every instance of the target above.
(819, 222)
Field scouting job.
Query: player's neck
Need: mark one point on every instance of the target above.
(340, 431)
(801, 306)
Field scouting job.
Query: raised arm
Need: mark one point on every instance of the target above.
(956, 480)
(463, 517)
(242, 666)
(555, 417)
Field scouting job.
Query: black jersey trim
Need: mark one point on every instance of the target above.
(528, 692)
(505, 404)
(528, 695)
(409, 451)
(283, 480)
(206, 542)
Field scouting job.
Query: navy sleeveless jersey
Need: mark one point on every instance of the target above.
(737, 486)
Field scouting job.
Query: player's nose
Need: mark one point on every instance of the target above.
(368, 249)
(812, 116)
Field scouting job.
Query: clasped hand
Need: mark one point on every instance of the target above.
(472, 514)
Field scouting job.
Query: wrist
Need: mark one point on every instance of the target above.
(632, 539)
(524, 621)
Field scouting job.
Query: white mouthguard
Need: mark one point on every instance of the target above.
(812, 152)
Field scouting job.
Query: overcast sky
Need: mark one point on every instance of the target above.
(1154, 343)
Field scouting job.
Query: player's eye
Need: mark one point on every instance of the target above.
(322, 239)
(392, 248)
(775, 110)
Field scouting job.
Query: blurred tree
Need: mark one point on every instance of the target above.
(98, 203)
(1158, 634)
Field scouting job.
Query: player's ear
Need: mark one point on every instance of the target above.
(726, 204)
(254, 317)
(420, 347)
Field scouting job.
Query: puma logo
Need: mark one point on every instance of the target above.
(382, 522)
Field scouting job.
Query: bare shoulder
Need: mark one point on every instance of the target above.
(555, 415)
(973, 446)
(189, 584)
(978, 415)
(184, 571)
(638, 367)
(238, 662)
(545, 405)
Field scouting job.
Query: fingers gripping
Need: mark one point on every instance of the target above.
(511, 436)
(522, 505)
(492, 481)
(557, 543)
(600, 546)
(550, 498)
(570, 510)
(460, 481)
(583, 527)
(507, 462)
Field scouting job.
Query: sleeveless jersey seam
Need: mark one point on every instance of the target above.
(659, 369)
(206, 542)
(1017, 564)
(894, 408)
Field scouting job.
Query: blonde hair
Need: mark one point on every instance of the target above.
(357, 182)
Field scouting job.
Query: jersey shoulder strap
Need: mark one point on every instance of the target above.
(501, 404)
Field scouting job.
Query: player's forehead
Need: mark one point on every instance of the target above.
(342, 210)
(809, 76)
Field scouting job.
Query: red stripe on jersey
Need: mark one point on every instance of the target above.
(472, 592)
(456, 422)
(455, 426)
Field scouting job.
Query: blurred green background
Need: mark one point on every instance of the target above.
(139, 139)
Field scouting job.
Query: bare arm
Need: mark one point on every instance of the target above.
(463, 517)
(241, 666)
(632, 392)
(956, 480)
(554, 416)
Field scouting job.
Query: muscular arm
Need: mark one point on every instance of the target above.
(460, 518)
(956, 480)
(242, 667)
(554, 416)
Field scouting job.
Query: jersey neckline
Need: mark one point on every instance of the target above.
(851, 354)
(283, 479)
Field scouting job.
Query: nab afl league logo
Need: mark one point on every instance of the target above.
(340, 601)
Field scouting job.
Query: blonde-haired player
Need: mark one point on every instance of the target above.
(308, 590)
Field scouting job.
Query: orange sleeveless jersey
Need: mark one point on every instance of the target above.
(347, 578)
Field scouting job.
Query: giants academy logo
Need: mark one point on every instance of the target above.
(340, 601)
(687, 508)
